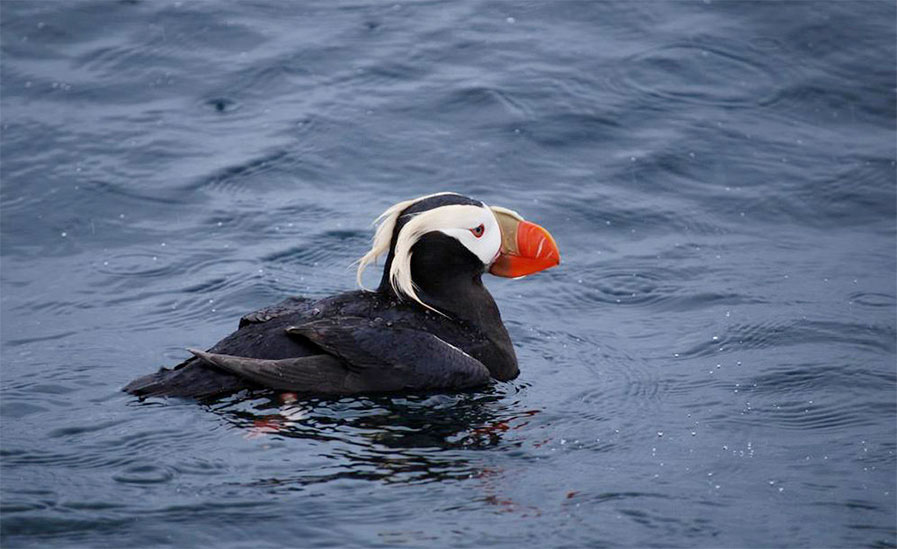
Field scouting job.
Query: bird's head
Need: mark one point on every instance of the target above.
(439, 242)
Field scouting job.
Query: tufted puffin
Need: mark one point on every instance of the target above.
(430, 325)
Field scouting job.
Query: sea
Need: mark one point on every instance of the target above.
(713, 364)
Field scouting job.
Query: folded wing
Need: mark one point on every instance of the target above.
(359, 356)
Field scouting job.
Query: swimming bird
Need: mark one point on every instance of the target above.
(430, 325)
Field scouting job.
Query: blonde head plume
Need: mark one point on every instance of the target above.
(386, 224)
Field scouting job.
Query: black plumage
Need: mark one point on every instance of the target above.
(363, 342)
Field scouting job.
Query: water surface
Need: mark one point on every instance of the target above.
(712, 365)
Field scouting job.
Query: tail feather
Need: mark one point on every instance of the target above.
(191, 379)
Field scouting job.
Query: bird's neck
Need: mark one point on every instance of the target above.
(460, 296)
(452, 284)
(448, 278)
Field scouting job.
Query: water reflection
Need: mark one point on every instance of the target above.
(392, 439)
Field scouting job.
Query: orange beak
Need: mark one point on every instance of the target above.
(526, 248)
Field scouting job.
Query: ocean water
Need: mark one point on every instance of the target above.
(712, 365)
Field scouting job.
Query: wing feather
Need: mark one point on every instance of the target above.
(392, 357)
(360, 356)
(324, 374)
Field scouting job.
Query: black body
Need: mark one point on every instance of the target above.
(362, 342)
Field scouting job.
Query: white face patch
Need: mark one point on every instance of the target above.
(485, 242)
(461, 222)
(475, 227)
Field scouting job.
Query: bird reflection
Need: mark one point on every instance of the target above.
(392, 439)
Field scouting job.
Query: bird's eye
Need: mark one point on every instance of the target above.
(478, 231)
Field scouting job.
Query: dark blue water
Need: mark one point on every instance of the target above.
(713, 364)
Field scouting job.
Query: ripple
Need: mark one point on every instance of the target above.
(808, 378)
(120, 59)
(13, 409)
(859, 194)
(490, 103)
(569, 129)
(854, 195)
(640, 285)
(813, 396)
(617, 388)
(784, 333)
(143, 474)
(799, 415)
(80, 460)
(629, 284)
(702, 75)
(174, 31)
(77, 430)
(139, 264)
(236, 178)
(621, 216)
(105, 452)
(606, 497)
(873, 299)
(221, 104)
(323, 248)
(387, 72)
(29, 340)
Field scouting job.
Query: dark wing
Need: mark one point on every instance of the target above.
(392, 358)
(362, 357)
(287, 306)
(324, 374)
